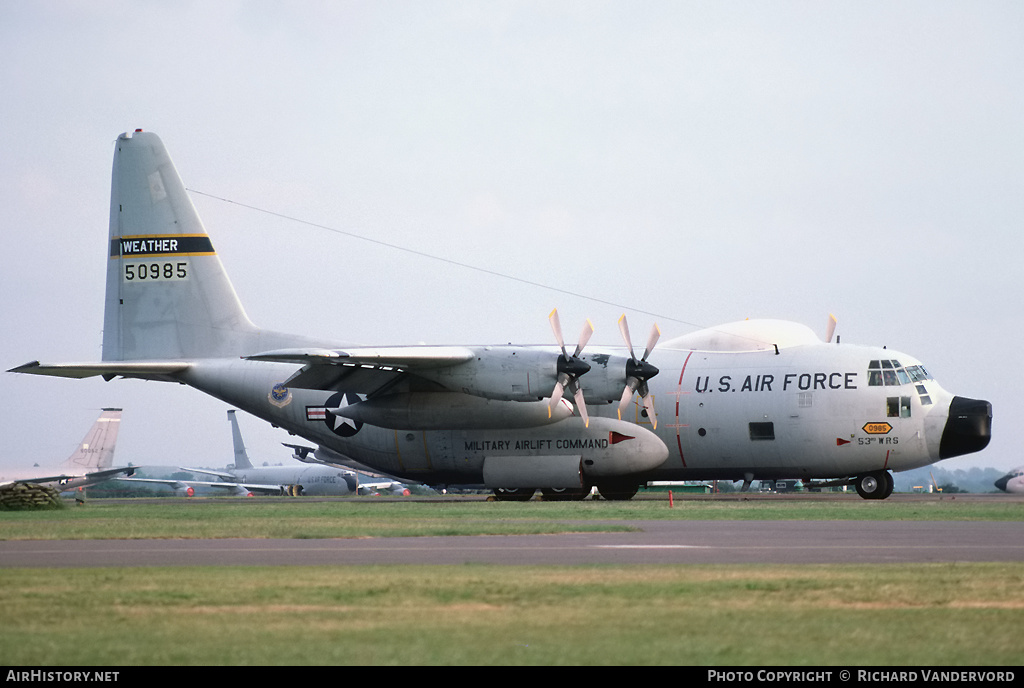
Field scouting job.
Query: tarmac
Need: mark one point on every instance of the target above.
(654, 542)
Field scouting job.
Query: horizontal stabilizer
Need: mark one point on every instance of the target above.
(146, 370)
(80, 480)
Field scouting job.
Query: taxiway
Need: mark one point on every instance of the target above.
(653, 542)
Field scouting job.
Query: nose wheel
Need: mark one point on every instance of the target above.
(874, 485)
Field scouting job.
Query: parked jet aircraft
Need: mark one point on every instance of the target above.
(1012, 481)
(245, 479)
(750, 400)
(89, 464)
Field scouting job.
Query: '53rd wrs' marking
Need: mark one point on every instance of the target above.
(156, 270)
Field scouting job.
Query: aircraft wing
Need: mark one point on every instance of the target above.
(363, 370)
(236, 488)
(220, 474)
(404, 357)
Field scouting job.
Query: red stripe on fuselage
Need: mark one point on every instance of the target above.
(679, 441)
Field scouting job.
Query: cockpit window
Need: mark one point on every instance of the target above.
(889, 373)
(918, 373)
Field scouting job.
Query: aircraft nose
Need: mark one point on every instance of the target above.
(1002, 482)
(968, 427)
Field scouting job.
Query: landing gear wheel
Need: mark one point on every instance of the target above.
(563, 494)
(618, 491)
(889, 486)
(513, 494)
(876, 485)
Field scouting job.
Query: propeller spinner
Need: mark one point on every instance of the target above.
(639, 372)
(570, 368)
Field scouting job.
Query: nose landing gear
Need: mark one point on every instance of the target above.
(874, 485)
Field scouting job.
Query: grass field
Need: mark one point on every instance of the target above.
(882, 615)
(948, 614)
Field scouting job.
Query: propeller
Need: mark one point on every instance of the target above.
(639, 372)
(570, 368)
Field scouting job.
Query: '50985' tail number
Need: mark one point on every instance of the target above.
(156, 270)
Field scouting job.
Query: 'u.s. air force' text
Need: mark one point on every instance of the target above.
(804, 382)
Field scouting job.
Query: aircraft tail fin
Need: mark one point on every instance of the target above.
(96, 450)
(168, 296)
(241, 458)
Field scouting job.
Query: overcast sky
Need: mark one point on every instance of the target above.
(700, 161)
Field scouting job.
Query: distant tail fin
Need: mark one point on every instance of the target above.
(97, 448)
(241, 458)
(168, 296)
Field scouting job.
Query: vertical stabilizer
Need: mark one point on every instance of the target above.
(97, 449)
(168, 296)
(241, 458)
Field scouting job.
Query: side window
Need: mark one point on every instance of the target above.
(897, 407)
(762, 431)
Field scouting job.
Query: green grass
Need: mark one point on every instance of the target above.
(928, 614)
(298, 518)
(924, 614)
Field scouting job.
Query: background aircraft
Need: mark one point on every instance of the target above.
(245, 479)
(1012, 481)
(89, 464)
(751, 400)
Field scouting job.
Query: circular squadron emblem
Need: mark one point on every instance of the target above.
(280, 396)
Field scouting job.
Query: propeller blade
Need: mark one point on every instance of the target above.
(830, 329)
(627, 394)
(652, 339)
(588, 330)
(649, 405)
(624, 329)
(556, 327)
(581, 404)
(556, 394)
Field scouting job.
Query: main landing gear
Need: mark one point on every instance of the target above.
(614, 491)
(874, 485)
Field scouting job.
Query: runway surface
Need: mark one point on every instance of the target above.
(655, 542)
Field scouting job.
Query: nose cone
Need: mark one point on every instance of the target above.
(1002, 482)
(968, 427)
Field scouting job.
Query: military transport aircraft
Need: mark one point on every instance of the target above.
(750, 400)
(89, 464)
(1012, 481)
